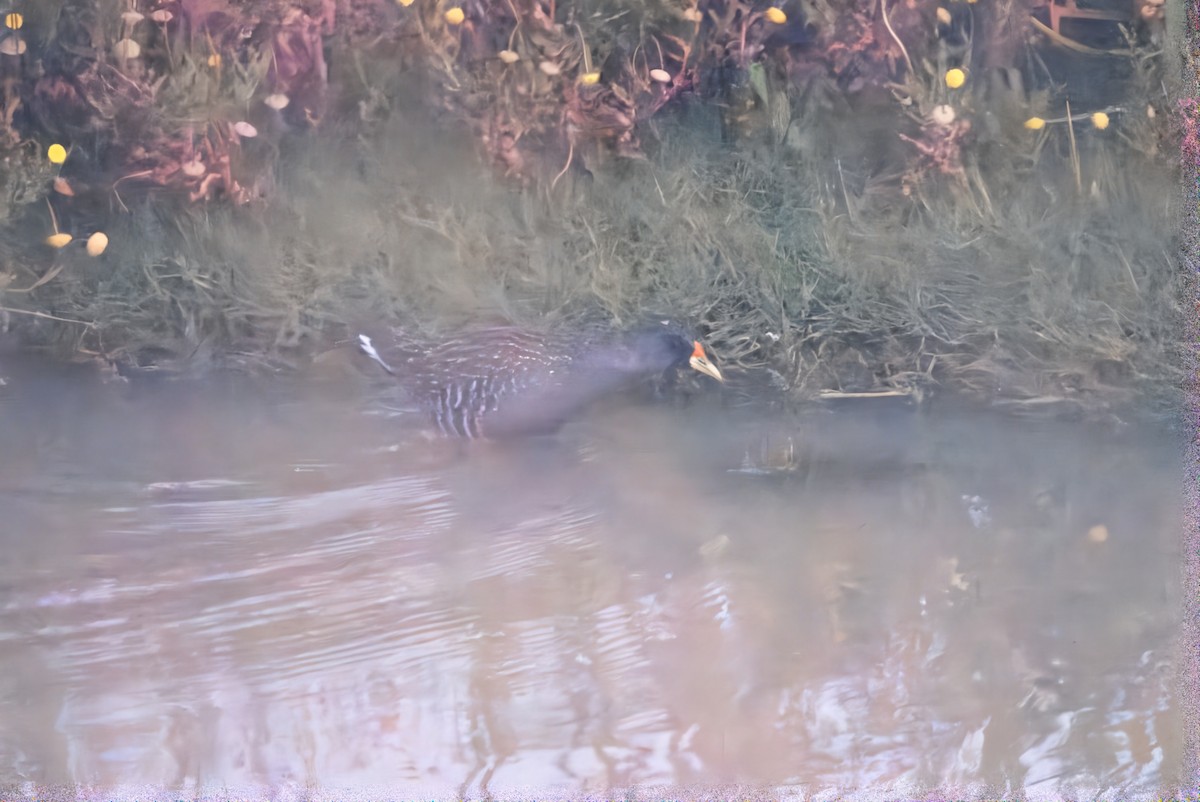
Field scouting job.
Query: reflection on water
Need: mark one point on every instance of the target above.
(261, 589)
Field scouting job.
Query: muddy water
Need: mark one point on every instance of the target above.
(261, 589)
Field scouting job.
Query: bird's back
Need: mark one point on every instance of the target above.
(486, 382)
(504, 381)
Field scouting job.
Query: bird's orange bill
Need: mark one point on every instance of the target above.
(699, 361)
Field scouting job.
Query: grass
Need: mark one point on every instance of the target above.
(1043, 274)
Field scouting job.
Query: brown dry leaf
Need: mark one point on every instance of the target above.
(63, 187)
(200, 10)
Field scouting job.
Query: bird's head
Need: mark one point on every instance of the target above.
(665, 346)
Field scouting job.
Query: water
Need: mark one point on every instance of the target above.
(236, 587)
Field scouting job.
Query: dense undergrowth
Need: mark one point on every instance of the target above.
(816, 199)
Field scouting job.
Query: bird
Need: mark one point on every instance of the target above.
(504, 381)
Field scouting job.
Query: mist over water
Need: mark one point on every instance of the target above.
(238, 586)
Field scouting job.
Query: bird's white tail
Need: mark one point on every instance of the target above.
(368, 348)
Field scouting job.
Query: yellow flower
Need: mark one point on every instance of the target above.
(59, 240)
(955, 78)
(97, 243)
(1100, 120)
(776, 15)
(14, 20)
(589, 78)
(455, 16)
(214, 60)
(405, 3)
(56, 153)
(1035, 123)
(127, 49)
